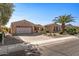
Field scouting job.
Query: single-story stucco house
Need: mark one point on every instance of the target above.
(53, 27)
(24, 27)
(39, 27)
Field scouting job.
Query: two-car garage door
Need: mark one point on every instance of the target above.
(24, 30)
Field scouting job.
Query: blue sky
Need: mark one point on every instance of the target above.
(43, 13)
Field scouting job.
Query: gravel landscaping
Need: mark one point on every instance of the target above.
(57, 35)
(30, 51)
(8, 40)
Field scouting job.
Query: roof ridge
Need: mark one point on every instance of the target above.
(23, 21)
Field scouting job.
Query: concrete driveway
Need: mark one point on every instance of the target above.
(44, 40)
(34, 39)
(64, 46)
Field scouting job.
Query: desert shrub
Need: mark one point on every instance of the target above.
(5, 29)
(54, 34)
(60, 32)
(49, 34)
(44, 32)
(47, 31)
(77, 29)
(71, 30)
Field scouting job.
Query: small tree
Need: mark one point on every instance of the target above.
(6, 10)
(63, 20)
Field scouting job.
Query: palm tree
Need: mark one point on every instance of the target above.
(6, 10)
(63, 20)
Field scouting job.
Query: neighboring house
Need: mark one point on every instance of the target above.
(23, 27)
(53, 27)
(56, 28)
(38, 28)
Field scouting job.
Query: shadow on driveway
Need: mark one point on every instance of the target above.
(32, 34)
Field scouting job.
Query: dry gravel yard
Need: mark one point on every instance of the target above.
(30, 50)
(16, 47)
(63, 46)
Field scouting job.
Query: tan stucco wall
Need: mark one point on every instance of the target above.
(53, 28)
(50, 28)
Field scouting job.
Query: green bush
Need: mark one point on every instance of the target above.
(71, 31)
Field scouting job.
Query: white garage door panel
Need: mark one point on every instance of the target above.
(23, 30)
